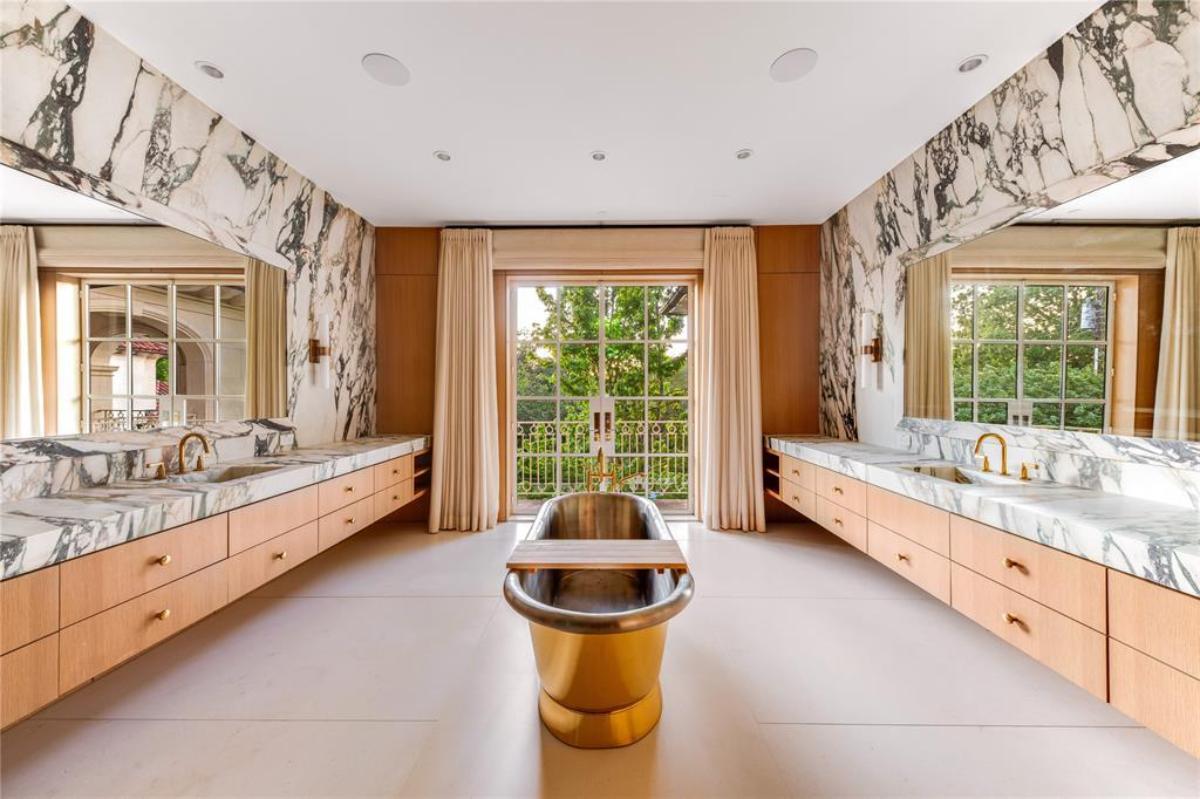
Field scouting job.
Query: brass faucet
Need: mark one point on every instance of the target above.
(200, 459)
(600, 474)
(987, 467)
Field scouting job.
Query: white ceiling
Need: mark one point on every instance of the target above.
(1168, 192)
(521, 93)
(27, 200)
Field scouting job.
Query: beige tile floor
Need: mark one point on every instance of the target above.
(389, 666)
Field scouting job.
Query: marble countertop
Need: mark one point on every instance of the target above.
(42, 531)
(1151, 540)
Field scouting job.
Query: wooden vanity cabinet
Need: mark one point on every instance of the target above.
(65, 625)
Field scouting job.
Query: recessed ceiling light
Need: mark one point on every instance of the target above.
(441, 155)
(210, 69)
(599, 155)
(386, 69)
(744, 153)
(793, 65)
(972, 63)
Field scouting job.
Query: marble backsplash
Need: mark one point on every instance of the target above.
(81, 110)
(1119, 93)
(1159, 470)
(38, 467)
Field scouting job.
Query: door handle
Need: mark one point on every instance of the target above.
(608, 425)
(596, 426)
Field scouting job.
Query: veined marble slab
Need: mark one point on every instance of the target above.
(42, 531)
(1151, 540)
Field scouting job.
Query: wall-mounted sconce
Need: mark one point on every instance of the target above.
(318, 351)
(872, 336)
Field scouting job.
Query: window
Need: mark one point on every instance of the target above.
(1032, 353)
(163, 352)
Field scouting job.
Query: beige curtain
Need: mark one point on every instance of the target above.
(727, 391)
(465, 480)
(21, 412)
(1177, 398)
(927, 386)
(266, 340)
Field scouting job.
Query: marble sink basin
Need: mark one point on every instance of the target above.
(223, 474)
(955, 474)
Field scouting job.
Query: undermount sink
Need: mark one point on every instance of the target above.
(223, 474)
(954, 474)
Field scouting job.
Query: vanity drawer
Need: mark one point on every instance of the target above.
(925, 524)
(851, 494)
(391, 472)
(262, 564)
(1163, 623)
(798, 498)
(798, 472)
(28, 608)
(344, 523)
(262, 521)
(95, 645)
(105, 579)
(850, 527)
(28, 679)
(1164, 699)
(1074, 650)
(393, 499)
(922, 567)
(1072, 586)
(345, 490)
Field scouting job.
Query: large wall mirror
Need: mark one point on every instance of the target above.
(1084, 317)
(113, 323)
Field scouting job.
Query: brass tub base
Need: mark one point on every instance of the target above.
(620, 727)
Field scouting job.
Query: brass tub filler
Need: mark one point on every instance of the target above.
(598, 577)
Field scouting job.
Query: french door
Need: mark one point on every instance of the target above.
(600, 366)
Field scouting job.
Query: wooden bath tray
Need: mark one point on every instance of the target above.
(597, 553)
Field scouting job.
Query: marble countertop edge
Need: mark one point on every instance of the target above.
(43, 531)
(1150, 540)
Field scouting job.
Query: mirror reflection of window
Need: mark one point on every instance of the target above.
(1029, 353)
(164, 353)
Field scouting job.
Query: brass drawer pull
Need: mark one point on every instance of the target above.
(902, 557)
(838, 490)
(795, 499)
(281, 555)
(1009, 563)
(163, 561)
(837, 521)
(348, 489)
(350, 520)
(395, 498)
(163, 614)
(1012, 618)
(796, 472)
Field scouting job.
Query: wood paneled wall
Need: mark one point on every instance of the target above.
(406, 266)
(789, 296)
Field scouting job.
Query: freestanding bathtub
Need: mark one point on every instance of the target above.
(598, 635)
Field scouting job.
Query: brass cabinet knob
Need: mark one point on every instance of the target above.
(837, 521)
(796, 472)
(350, 520)
(395, 498)
(163, 614)
(395, 471)
(164, 560)
(901, 556)
(281, 555)
(348, 489)
(838, 490)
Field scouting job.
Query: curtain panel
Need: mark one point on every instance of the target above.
(465, 478)
(927, 377)
(1177, 396)
(21, 411)
(266, 340)
(727, 387)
